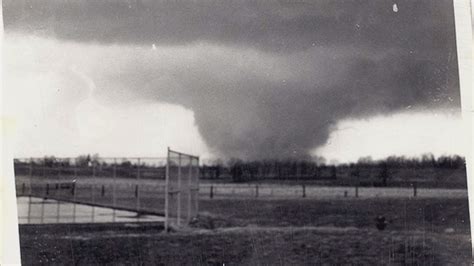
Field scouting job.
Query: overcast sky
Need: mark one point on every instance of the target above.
(247, 79)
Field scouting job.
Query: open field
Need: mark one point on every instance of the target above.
(272, 232)
(243, 246)
(428, 215)
(239, 227)
(148, 196)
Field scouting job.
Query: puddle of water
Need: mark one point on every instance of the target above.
(33, 210)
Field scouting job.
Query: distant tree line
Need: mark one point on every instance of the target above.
(242, 171)
(86, 160)
(425, 161)
(88, 165)
(380, 171)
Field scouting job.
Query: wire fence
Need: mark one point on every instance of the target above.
(34, 210)
(281, 191)
(139, 185)
(145, 186)
(120, 184)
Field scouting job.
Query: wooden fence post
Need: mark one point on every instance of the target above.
(304, 191)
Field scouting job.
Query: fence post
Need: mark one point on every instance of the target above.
(42, 211)
(196, 182)
(256, 191)
(114, 172)
(114, 176)
(190, 189)
(102, 191)
(355, 173)
(137, 195)
(29, 209)
(414, 189)
(47, 188)
(92, 200)
(179, 190)
(57, 181)
(23, 189)
(92, 185)
(58, 210)
(74, 192)
(167, 175)
(304, 190)
(30, 177)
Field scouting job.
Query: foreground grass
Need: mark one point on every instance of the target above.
(404, 214)
(270, 232)
(244, 246)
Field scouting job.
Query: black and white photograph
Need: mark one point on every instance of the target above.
(253, 132)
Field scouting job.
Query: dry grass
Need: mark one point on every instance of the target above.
(245, 246)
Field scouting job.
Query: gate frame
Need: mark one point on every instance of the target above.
(167, 191)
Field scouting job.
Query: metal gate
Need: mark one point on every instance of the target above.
(182, 189)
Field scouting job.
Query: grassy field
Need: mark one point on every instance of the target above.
(324, 228)
(148, 196)
(271, 232)
(428, 215)
(90, 187)
(244, 246)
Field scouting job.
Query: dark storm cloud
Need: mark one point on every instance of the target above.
(274, 25)
(374, 61)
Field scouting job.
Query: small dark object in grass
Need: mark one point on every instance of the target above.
(381, 222)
